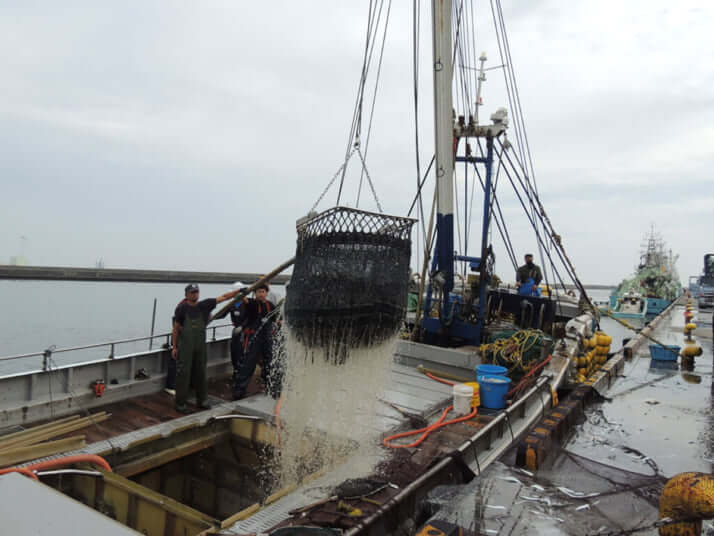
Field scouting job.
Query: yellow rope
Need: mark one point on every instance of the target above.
(512, 350)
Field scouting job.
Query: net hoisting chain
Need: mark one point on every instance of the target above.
(333, 179)
(369, 179)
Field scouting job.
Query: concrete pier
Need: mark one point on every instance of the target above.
(64, 273)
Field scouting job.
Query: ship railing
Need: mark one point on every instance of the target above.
(212, 334)
(60, 381)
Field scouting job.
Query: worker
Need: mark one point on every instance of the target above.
(236, 338)
(258, 330)
(528, 277)
(191, 318)
(171, 372)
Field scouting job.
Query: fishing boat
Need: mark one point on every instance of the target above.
(144, 467)
(630, 305)
(653, 287)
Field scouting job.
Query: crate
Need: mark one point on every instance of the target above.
(669, 352)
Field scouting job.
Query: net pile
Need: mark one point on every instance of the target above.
(350, 279)
(517, 350)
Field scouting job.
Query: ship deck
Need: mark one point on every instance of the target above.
(653, 423)
(145, 428)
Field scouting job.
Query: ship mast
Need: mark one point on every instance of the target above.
(444, 141)
(447, 133)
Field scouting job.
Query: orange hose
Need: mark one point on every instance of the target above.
(21, 470)
(531, 372)
(440, 380)
(68, 460)
(60, 462)
(427, 430)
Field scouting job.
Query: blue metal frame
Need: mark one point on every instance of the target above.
(444, 258)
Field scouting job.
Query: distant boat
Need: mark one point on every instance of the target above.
(654, 285)
(631, 305)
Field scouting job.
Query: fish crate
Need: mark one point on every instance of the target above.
(660, 352)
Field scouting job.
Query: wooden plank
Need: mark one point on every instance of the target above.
(165, 456)
(45, 426)
(23, 454)
(36, 436)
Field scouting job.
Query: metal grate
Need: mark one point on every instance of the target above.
(349, 283)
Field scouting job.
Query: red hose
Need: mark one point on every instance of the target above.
(21, 470)
(440, 380)
(427, 430)
(59, 462)
(68, 460)
(531, 372)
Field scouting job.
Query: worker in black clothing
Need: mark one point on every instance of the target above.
(257, 336)
(528, 276)
(236, 338)
(189, 351)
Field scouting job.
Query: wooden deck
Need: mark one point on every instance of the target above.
(147, 410)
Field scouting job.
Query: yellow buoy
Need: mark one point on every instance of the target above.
(603, 339)
(476, 400)
(692, 350)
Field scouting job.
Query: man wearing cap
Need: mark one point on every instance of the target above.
(528, 277)
(189, 351)
(257, 320)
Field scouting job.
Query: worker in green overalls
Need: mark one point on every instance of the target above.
(189, 351)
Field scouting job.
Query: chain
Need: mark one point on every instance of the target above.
(333, 179)
(369, 179)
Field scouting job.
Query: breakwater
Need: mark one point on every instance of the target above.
(65, 273)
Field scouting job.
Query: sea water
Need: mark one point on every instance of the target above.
(39, 314)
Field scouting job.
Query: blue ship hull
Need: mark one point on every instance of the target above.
(656, 305)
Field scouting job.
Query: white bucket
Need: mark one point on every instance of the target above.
(463, 395)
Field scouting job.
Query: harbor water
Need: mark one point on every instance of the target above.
(41, 314)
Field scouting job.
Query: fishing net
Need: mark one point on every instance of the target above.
(517, 350)
(570, 494)
(350, 279)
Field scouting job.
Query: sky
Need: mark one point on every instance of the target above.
(192, 135)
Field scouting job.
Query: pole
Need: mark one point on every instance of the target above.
(444, 141)
(267, 277)
(153, 323)
(482, 283)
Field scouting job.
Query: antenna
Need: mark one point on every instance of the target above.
(481, 80)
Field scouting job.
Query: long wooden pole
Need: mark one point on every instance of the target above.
(35, 436)
(267, 277)
(22, 454)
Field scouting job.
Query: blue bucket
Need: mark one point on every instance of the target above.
(664, 353)
(494, 370)
(493, 389)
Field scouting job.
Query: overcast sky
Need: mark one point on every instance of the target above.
(192, 135)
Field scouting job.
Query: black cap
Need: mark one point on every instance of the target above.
(192, 287)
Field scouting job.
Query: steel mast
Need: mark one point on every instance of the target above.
(444, 143)
(447, 133)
